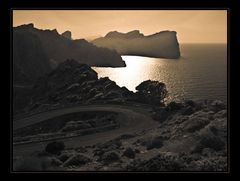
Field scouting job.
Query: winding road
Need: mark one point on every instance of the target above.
(131, 118)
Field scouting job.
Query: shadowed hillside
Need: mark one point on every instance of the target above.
(36, 52)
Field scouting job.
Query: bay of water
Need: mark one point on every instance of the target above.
(200, 73)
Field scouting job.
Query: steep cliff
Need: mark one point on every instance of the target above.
(160, 45)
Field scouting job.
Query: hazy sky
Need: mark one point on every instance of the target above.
(192, 26)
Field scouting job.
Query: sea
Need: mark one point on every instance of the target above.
(199, 74)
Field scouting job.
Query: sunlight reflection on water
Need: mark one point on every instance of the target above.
(134, 73)
(200, 74)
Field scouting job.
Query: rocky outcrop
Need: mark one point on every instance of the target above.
(73, 83)
(160, 45)
(36, 52)
(29, 57)
(67, 34)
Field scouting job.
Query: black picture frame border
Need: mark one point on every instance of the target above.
(167, 5)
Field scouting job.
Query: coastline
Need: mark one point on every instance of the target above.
(151, 135)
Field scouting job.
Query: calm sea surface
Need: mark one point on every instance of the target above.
(201, 72)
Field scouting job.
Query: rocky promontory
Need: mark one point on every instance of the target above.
(36, 51)
(163, 44)
(74, 83)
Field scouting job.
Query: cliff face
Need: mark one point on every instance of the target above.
(38, 51)
(29, 57)
(160, 45)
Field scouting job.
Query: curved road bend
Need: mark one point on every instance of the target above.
(131, 119)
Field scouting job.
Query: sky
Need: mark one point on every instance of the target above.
(192, 26)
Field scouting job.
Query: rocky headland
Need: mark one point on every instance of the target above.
(163, 44)
(36, 51)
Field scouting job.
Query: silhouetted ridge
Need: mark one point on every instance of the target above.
(29, 54)
(163, 44)
(37, 51)
(131, 34)
(67, 34)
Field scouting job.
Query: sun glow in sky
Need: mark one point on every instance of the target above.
(192, 26)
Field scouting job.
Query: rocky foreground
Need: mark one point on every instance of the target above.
(190, 136)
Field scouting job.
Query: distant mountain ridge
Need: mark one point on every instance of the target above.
(163, 44)
(131, 34)
(36, 52)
